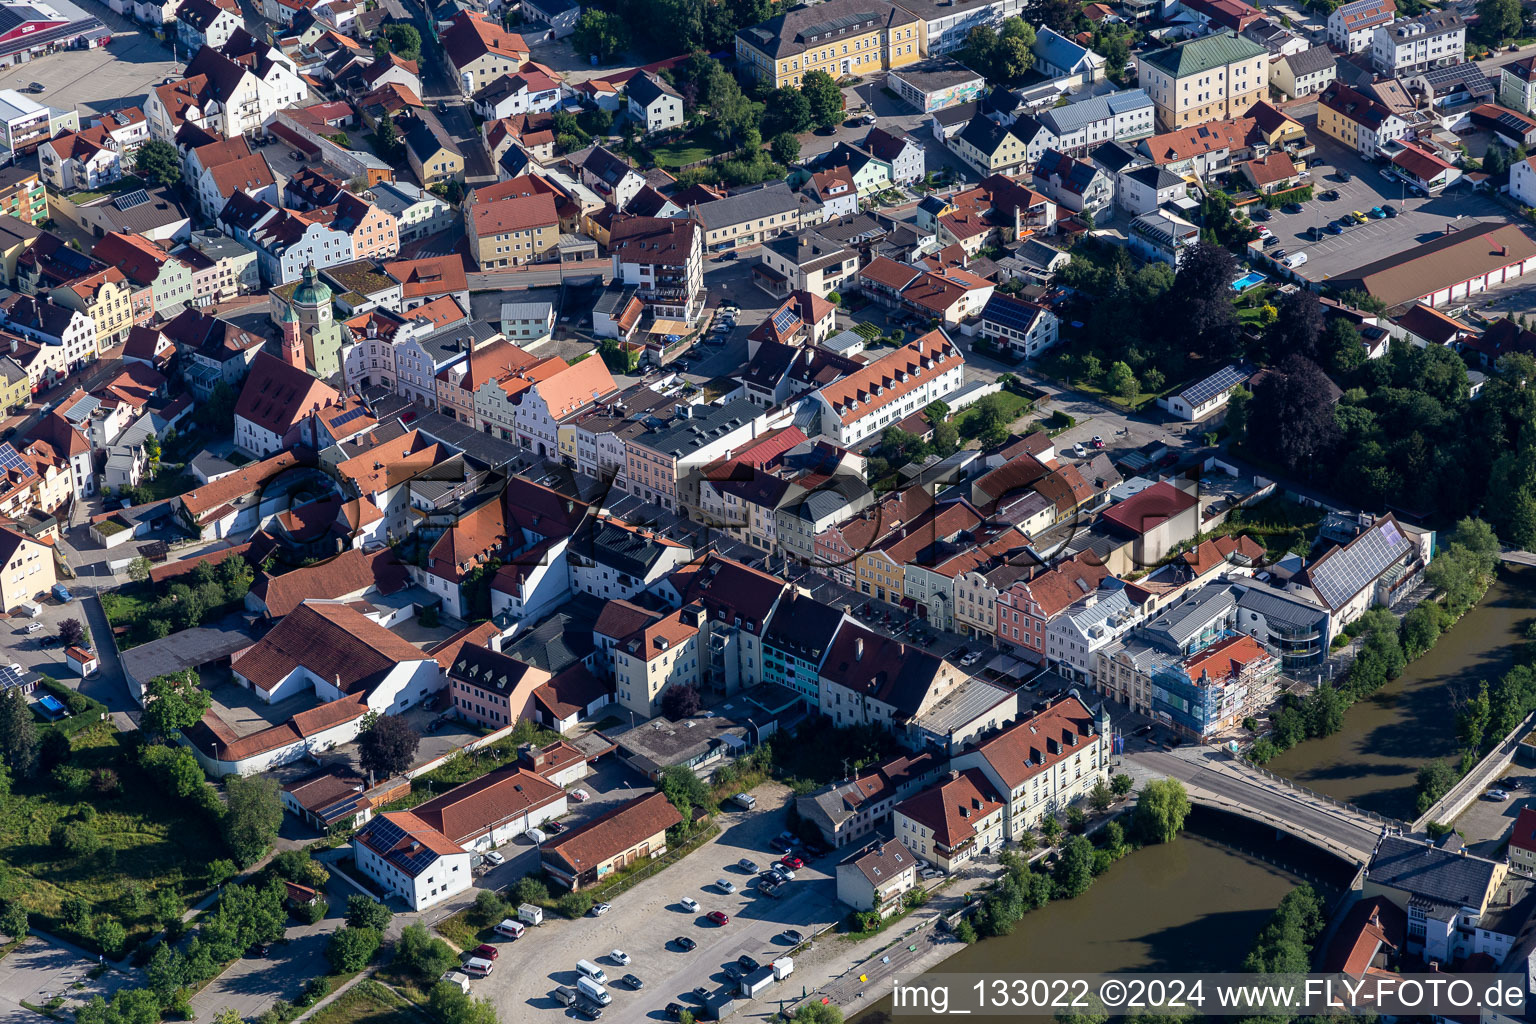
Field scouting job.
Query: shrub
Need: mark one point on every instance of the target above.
(351, 948)
(574, 904)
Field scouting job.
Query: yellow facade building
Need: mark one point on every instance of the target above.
(841, 37)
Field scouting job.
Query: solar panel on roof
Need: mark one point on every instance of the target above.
(1215, 384)
(784, 320)
(1349, 570)
(385, 832)
(10, 459)
(1009, 314)
(348, 416)
(10, 677)
(128, 201)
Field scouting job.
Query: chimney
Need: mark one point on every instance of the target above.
(858, 649)
(495, 642)
(953, 775)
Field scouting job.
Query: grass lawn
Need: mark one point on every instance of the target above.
(699, 144)
(168, 483)
(146, 839)
(367, 1002)
(1279, 524)
(468, 767)
(1013, 405)
(127, 184)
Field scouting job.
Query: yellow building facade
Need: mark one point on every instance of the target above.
(841, 37)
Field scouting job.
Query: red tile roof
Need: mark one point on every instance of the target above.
(413, 835)
(350, 572)
(333, 641)
(954, 808)
(584, 847)
(467, 812)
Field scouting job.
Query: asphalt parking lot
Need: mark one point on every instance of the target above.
(1485, 823)
(28, 650)
(38, 972)
(645, 919)
(1419, 219)
(93, 81)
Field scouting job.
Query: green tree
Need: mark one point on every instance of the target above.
(111, 936)
(824, 96)
(1050, 829)
(399, 38)
(1499, 21)
(138, 569)
(574, 904)
(1420, 629)
(367, 912)
(174, 703)
(1100, 796)
(1074, 870)
(1161, 808)
(252, 815)
(18, 734)
(600, 34)
(685, 790)
(814, 1012)
(174, 768)
(1121, 784)
(351, 948)
(785, 148)
(13, 920)
(451, 1005)
(417, 950)
(1324, 711)
(386, 137)
(1434, 781)
(388, 747)
(158, 162)
(1239, 402)
(1121, 380)
(530, 890)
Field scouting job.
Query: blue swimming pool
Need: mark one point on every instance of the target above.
(1248, 280)
(51, 705)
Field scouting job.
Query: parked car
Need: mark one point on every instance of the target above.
(789, 860)
(720, 917)
(1496, 794)
(1097, 441)
(33, 627)
(1510, 784)
(579, 795)
(931, 873)
(674, 1011)
(258, 951)
(1331, 195)
(62, 594)
(565, 995)
(1291, 207)
(1377, 213)
(633, 982)
(1346, 176)
(1262, 214)
(486, 951)
(792, 935)
(1386, 172)
(1334, 228)
(599, 909)
(769, 888)
(971, 658)
(747, 963)
(748, 865)
(1390, 211)
(685, 944)
(493, 858)
(619, 957)
(725, 885)
(732, 971)
(781, 844)
(1270, 240)
(554, 828)
(787, 874)
(689, 904)
(1278, 255)
(588, 1011)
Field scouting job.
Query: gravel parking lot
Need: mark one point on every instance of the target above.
(645, 919)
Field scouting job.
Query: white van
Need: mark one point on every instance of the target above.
(591, 970)
(593, 991)
(475, 967)
(511, 929)
(1294, 260)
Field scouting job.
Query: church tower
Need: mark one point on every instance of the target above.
(317, 327)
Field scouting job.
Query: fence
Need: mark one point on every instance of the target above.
(1341, 804)
(1471, 784)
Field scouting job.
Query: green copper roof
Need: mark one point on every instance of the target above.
(312, 291)
(1199, 55)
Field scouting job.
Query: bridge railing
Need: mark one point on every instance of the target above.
(1341, 804)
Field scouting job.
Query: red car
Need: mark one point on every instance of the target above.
(719, 917)
(486, 951)
(792, 862)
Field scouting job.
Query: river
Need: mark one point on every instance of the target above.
(1191, 905)
(1375, 759)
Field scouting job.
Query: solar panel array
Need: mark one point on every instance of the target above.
(385, 833)
(72, 260)
(414, 863)
(1215, 384)
(11, 460)
(128, 200)
(348, 416)
(1352, 568)
(785, 320)
(1008, 313)
(10, 675)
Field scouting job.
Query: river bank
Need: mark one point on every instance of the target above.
(1195, 904)
(1373, 761)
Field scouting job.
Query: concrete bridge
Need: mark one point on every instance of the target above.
(1215, 779)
